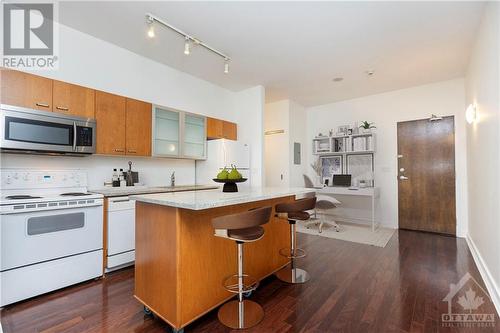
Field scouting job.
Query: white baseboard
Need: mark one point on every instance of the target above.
(485, 274)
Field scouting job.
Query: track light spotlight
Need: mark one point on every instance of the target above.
(187, 47)
(226, 66)
(151, 31)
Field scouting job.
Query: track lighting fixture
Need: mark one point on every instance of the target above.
(187, 47)
(151, 30)
(188, 39)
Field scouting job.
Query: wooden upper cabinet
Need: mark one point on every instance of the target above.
(218, 129)
(73, 100)
(229, 131)
(214, 128)
(26, 90)
(110, 114)
(138, 127)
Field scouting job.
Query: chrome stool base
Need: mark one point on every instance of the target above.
(240, 315)
(292, 275)
(292, 254)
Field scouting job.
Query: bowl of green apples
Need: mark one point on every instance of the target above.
(229, 178)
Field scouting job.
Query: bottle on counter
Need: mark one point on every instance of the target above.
(123, 182)
(115, 179)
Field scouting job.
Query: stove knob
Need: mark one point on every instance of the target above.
(8, 180)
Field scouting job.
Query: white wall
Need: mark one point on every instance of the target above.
(290, 117)
(483, 156)
(443, 98)
(248, 112)
(298, 133)
(276, 152)
(97, 64)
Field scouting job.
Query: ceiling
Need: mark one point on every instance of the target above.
(295, 49)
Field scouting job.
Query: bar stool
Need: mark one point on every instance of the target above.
(294, 211)
(243, 228)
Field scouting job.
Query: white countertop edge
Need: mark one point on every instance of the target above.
(208, 199)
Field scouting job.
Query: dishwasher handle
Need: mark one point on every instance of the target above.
(120, 203)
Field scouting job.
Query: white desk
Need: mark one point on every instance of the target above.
(373, 192)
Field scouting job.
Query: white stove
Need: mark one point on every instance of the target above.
(32, 190)
(50, 232)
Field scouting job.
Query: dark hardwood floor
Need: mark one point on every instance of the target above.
(354, 288)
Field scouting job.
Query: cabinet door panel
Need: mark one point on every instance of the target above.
(167, 132)
(26, 90)
(214, 128)
(194, 138)
(73, 100)
(229, 130)
(138, 128)
(110, 114)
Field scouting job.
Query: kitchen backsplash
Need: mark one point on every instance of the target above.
(152, 171)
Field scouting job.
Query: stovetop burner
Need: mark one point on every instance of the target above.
(74, 194)
(21, 197)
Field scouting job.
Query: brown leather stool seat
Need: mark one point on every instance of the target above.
(243, 228)
(292, 212)
(301, 216)
(247, 234)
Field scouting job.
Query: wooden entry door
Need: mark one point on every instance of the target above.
(426, 175)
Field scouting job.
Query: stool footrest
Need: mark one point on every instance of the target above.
(231, 284)
(295, 254)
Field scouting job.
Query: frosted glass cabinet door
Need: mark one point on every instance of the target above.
(194, 144)
(166, 132)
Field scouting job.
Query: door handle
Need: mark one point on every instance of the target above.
(62, 108)
(43, 105)
(74, 136)
(118, 150)
(403, 178)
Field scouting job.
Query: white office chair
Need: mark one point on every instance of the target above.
(323, 205)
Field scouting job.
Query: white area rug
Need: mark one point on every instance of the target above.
(351, 232)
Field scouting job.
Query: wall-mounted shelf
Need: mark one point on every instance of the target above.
(363, 143)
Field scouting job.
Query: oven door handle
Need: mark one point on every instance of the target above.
(74, 136)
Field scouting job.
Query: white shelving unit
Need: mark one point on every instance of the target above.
(363, 143)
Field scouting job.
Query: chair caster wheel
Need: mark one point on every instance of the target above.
(147, 311)
(248, 294)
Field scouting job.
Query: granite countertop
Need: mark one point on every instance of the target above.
(216, 198)
(131, 190)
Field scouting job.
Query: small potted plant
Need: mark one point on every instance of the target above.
(366, 126)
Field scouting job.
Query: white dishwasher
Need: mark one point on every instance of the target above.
(120, 233)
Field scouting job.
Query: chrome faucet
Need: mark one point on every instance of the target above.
(172, 179)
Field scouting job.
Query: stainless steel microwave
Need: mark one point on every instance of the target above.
(26, 130)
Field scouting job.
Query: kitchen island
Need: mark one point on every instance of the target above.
(180, 264)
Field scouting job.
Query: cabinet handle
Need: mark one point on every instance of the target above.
(118, 150)
(132, 151)
(43, 105)
(62, 108)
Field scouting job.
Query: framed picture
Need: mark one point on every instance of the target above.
(331, 165)
(342, 130)
(360, 167)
